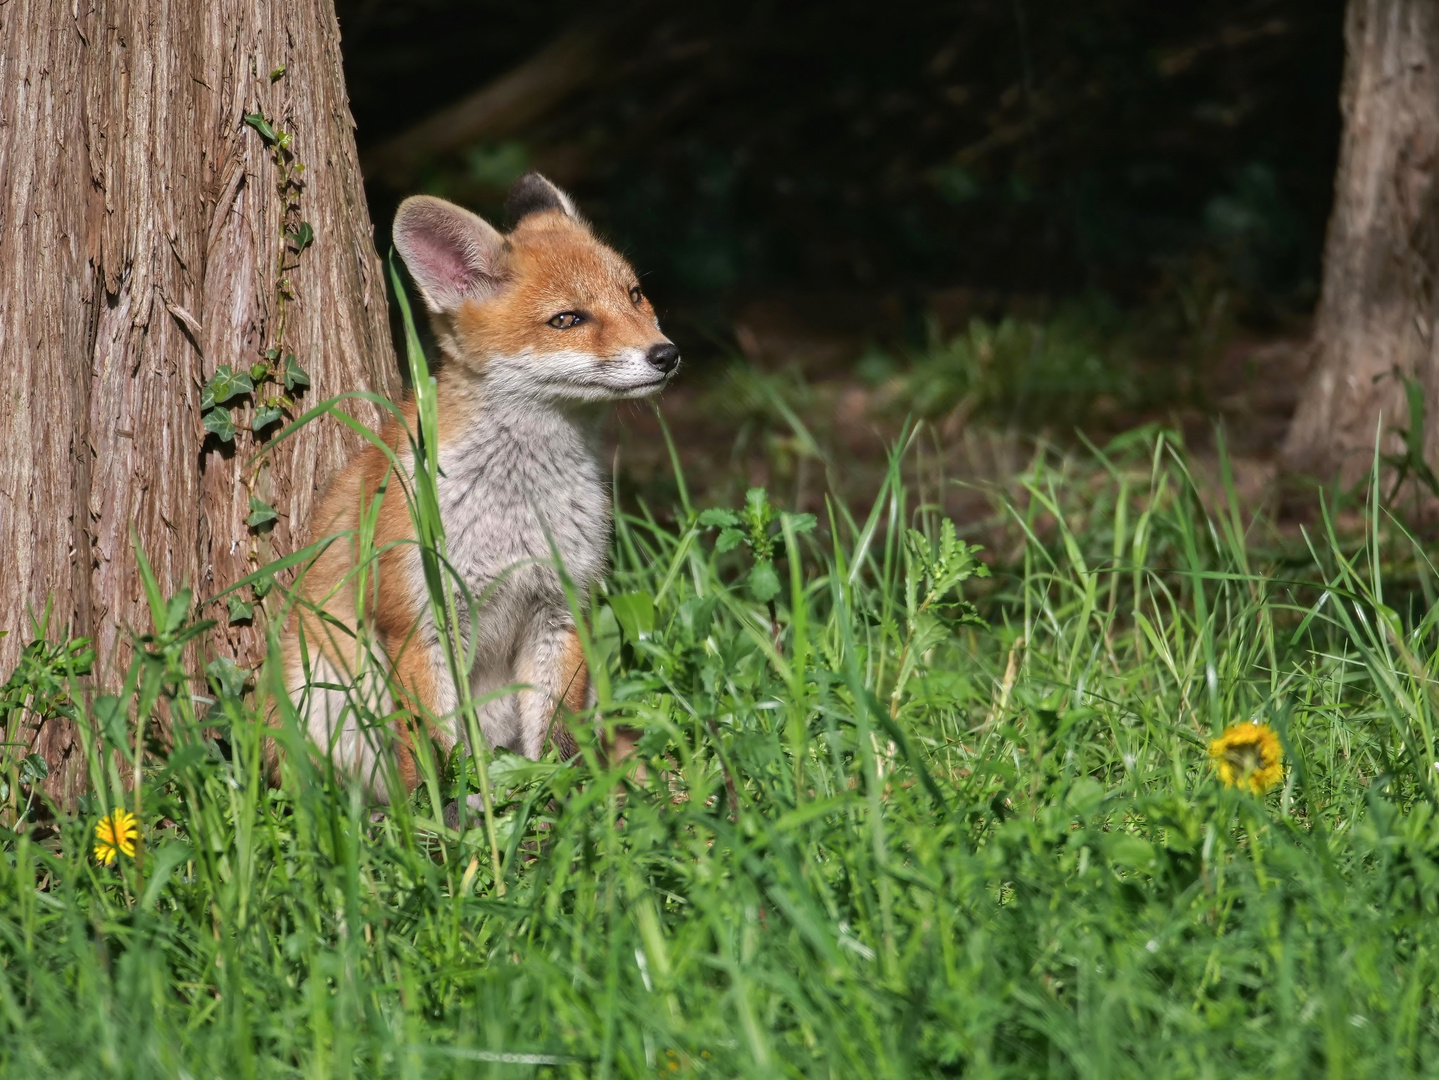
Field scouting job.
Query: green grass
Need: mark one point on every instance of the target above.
(874, 839)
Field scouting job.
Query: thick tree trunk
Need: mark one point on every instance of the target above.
(140, 239)
(1378, 312)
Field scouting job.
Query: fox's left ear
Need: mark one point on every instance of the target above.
(452, 254)
(533, 194)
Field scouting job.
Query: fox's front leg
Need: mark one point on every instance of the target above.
(551, 665)
(428, 698)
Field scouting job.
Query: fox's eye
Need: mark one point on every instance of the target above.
(566, 319)
(635, 295)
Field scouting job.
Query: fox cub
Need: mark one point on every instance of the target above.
(538, 328)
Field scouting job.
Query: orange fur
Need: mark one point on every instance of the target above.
(576, 675)
(555, 263)
(551, 262)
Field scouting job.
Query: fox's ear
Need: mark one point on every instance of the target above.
(452, 254)
(533, 194)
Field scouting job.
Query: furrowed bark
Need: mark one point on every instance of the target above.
(140, 233)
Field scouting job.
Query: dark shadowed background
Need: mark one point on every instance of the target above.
(1134, 193)
(888, 152)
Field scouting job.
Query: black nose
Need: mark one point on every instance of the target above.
(666, 357)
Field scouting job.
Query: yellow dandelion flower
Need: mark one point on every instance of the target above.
(115, 832)
(1248, 755)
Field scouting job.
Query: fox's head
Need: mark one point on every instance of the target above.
(545, 311)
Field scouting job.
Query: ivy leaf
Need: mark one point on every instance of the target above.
(219, 422)
(224, 385)
(240, 383)
(302, 237)
(33, 769)
(265, 415)
(260, 124)
(258, 370)
(240, 611)
(262, 586)
(227, 677)
(295, 375)
(261, 513)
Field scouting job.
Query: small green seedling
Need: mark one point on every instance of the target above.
(755, 527)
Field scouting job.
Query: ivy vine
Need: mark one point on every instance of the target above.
(274, 381)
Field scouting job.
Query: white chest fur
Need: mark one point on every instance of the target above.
(520, 484)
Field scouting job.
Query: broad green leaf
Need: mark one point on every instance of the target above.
(635, 613)
(260, 124)
(265, 415)
(224, 385)
(763, 581)
(219, 422)
(1128, 850)
(33, 769)
(295, 375)
(717, 517)
(226, 676)
(695, 616)
(1084, 795)
(302, 237)
(261, 512)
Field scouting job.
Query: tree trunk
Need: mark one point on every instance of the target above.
(141, 224)
(1378, 310)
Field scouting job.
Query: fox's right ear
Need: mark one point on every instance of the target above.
(452, 254)
(533, 194)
